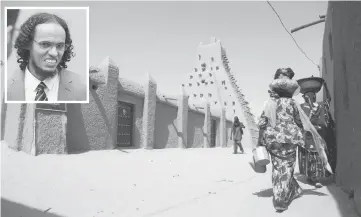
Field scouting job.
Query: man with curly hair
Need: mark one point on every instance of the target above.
(44, 48)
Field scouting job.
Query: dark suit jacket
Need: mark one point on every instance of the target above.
(70, 88)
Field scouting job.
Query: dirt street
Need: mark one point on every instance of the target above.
(166, 182)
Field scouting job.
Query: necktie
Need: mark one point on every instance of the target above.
(40, 93)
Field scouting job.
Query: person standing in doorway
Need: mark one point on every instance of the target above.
(237, 133)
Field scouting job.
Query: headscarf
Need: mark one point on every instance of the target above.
(284, 71)
(236, 123)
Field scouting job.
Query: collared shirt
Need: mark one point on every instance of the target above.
(31, 83)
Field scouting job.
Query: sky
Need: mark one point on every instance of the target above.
(162, 38)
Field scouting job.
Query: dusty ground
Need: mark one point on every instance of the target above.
(168, 182)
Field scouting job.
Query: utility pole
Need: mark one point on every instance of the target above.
(321, 20)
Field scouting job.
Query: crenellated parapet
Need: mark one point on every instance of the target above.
(99, 124)
(135, 89)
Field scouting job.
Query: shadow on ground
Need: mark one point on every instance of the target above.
(12, 209)
(121, 149)
(345, 202)
(269, 193)
(324, 181)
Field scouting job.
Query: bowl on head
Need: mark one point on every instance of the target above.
(284, 86)
(310, 84)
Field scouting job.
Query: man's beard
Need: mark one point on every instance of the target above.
(43, 73)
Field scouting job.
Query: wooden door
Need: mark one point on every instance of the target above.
(125, 124)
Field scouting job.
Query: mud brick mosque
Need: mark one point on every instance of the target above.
(124, 114)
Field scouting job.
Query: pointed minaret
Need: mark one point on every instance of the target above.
(212, 79)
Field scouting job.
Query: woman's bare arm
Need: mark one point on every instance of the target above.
(263, 121)
(262, 125)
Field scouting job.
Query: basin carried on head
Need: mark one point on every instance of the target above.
(310, 84)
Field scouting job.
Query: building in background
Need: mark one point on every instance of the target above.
(212, 80)
(341, 70)
(319, 95)
(125, 114)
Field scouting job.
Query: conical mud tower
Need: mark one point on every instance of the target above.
(212, 79)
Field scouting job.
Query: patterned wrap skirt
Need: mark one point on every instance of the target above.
(285, 186)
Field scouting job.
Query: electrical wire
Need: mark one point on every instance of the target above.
(294, 40)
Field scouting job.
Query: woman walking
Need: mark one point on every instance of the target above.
(281, 131)
(310, 164)
(237, 132)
